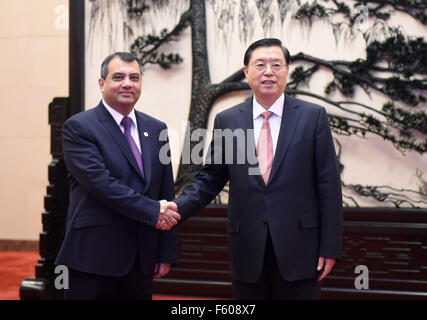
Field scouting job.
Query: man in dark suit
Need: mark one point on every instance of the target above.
(284, 213)
(113, 242)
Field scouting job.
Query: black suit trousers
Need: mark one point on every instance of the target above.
(132, 286)
(271, 285)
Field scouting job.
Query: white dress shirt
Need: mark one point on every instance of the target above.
(118, 117)
(275, 120)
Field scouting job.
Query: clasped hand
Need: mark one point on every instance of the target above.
(168, 216)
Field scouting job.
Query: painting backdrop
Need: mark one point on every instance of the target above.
(364, 62)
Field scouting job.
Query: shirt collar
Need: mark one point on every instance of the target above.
(276, 107)
(117, 116)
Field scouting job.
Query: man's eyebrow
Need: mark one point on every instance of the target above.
(268, 59)
(122, 74)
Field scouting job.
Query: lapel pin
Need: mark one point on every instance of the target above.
(145, 134)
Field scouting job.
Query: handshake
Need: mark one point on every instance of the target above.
(168, 216)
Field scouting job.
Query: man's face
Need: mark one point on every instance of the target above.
(122, 87)
(270, 83)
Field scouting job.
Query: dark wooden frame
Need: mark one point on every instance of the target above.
(77, 56)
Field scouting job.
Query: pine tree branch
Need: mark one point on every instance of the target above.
(150, 56)
(344, 125)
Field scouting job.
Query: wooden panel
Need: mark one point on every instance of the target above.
(392, 243)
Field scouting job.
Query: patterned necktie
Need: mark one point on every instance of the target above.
(265, 147)
(127, 123)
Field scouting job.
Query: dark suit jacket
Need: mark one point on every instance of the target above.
(113, 210)
(301, 205)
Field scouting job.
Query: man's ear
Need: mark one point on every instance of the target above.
(245, 70)
(101, 84)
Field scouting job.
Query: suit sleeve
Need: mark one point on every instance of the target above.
(85, 162)
(329, 190)
(168, 246)
(208, 182)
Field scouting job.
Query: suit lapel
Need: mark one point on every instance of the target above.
(119, 138)
(290, 117)
(247, 123)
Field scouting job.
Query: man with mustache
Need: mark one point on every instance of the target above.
(114, 243)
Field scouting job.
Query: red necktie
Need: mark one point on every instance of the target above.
(265, 147)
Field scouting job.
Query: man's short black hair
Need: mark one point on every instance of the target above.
(267, 42)
(124, 56)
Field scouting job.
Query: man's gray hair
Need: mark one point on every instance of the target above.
(125, 56)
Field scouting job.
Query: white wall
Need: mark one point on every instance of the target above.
(34, 70)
